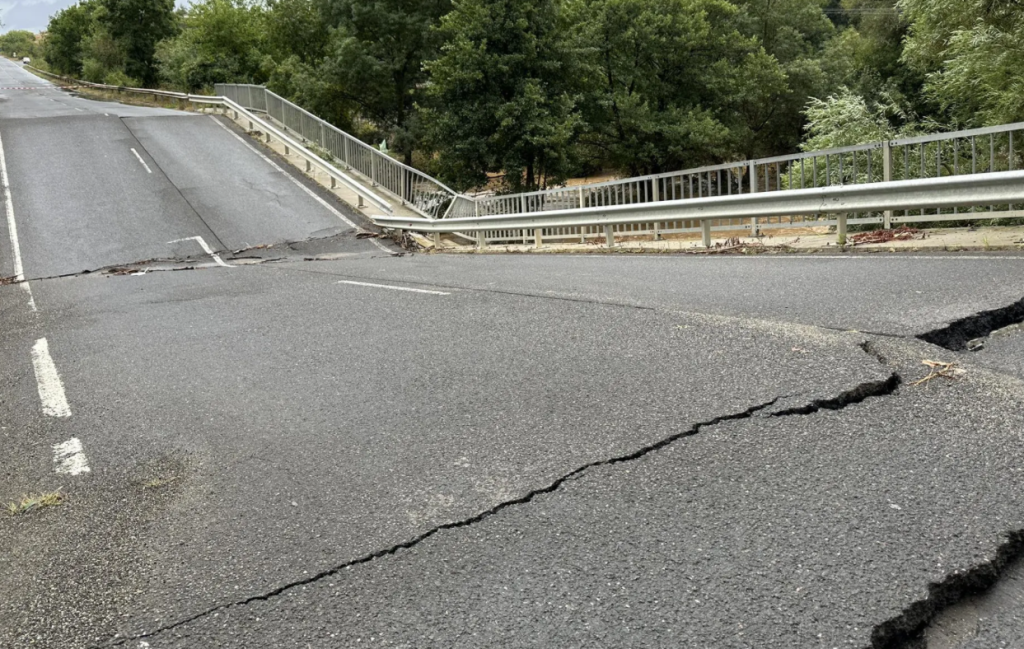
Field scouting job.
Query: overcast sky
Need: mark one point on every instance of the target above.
(32, 15)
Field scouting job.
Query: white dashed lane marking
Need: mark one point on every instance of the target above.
(394, 288)
(51, 389)
(69, 458)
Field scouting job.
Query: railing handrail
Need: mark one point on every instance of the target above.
(927, 193)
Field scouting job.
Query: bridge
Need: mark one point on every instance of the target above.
(233, 414)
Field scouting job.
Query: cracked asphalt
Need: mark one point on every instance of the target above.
(474, 451)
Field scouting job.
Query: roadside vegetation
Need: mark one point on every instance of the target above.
(524, 94)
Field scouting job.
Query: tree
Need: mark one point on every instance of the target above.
(18, 41)
(502, 96)
(220, 41)
(65, 36)
(668, 82)
(376, 54)
(971, 52)
(137, 26)
(793, 32)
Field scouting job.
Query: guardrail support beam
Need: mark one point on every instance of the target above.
(841, 229)
(437, 239)
(481, 240)
(886, 177)
(538, 237)
(609, 236)
(705, 232)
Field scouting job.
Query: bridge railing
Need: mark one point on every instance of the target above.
(415, 189)
(974, 151)
(704, 214)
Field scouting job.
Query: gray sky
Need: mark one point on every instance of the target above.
(32, 15)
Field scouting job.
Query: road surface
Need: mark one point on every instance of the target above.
(329, 443)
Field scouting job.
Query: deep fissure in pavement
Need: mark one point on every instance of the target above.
(958, 333)
(905, 630)
(855, 395)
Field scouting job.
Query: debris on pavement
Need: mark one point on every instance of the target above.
(902, 233)
(939, 368)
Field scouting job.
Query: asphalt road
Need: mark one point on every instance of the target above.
(431, 450)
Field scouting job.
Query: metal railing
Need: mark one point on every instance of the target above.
(975, 151)
(939, 193)
(415, 189)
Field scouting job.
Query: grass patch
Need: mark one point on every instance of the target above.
(32, 502)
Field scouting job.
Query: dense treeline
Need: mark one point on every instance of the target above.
(542, 90)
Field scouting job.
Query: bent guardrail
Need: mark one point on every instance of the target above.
(946, 192)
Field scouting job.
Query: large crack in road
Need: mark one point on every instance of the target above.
(854, 395)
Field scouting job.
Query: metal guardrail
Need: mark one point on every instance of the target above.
(997, 188)
(425, 195)
(983, 150)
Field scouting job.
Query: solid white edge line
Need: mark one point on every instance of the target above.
(141, 161)
(394, 288)
(12, 229)
(51, 389)
(309, 191)
(206, 248)
(70, 458)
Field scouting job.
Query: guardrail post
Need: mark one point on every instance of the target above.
(373, 170)
(334, 182)
(754, 229)
(309, 166)
(481, 240)
(609, 236)
(841, 229)
(522, 204)
(705, 232)
(403, 174)
(538, 237)
(581, 198)
(886, 177)
(437, 239)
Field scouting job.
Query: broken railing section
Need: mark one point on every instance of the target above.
(423, 194)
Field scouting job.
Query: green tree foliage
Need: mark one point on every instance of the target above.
(376, 53)
(503, 94)
(220, 41)
(971, 52)
(669, 83)
(794, 33)
(19, 42)
(136, 26)
(65, 36)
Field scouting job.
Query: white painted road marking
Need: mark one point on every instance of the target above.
(395, 288)
(141, 161)
(69, 457)
(12, 229)
(309, 191)
(51, 389)
(206, 248)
